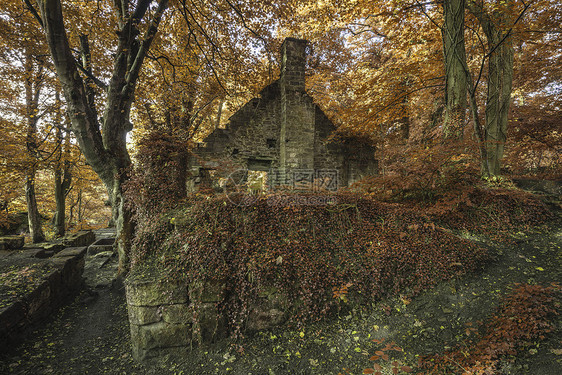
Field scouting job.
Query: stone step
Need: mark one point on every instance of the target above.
(101, 245)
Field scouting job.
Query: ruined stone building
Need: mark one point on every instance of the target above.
(283, 130)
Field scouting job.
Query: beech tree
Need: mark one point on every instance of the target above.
(103, 139)
(497, 24)
(33, 85)
(27, 79)
(62, 170)
(455, 67)
(382, 62)
(497, 21)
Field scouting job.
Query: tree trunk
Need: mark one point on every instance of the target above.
(32, 91)
(63, 177)
(59, 217)
(33, 216)
(500, 78)
(80, 216)
(478, 130)
(455, 56)
(73, 207)
(219, 114)
(125, 228)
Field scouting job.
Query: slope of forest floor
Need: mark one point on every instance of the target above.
(91, 335)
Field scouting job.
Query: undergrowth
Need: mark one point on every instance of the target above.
(326, 248)
(307, 252)
(523, 318)
(494, 208)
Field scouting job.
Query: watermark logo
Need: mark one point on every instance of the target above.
(245, 187)
(300, 200)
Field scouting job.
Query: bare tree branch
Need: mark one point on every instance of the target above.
(33, 11)
(134, 70)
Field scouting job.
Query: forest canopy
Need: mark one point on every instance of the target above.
(471, 83)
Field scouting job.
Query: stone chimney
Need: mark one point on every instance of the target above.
(293, 63)
(296, 136)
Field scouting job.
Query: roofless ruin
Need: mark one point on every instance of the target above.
(284, 133)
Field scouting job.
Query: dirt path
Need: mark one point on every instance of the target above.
(86, 336)
(91, 335)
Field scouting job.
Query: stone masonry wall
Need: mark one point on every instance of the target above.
(283, 129)
(252, 132)
(297, 109)
(328, 155)
(63, 280)
(160, 318)
(169, 318)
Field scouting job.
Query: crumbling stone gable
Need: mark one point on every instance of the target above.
(283, 129)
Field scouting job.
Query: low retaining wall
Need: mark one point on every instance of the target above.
(169, 318)
(63, 280)
(78, 239)
(11, 242)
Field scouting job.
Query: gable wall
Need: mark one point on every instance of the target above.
(284, 129)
